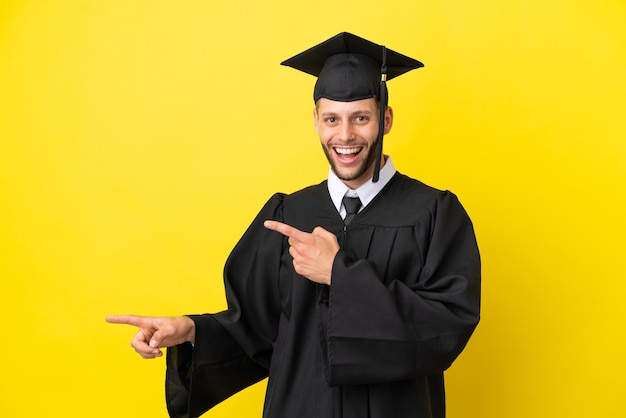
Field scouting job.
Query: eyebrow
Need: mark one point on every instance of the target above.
(355, 113)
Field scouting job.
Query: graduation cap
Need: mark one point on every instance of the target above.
(350, 68)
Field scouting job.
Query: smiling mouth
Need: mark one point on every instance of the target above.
(348, 151)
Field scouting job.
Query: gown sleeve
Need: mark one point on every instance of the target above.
(405, 327)
(231, 353)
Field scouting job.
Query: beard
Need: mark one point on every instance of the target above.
(359, 171)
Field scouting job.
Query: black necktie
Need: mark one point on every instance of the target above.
(352, 205)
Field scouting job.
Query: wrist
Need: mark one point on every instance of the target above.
(191, 330)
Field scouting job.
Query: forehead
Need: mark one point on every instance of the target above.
(332, 106)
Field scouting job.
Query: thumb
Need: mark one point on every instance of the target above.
(162, 337)
(156, 339)
(321, 232)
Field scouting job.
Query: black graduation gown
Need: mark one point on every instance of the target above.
(403, 302)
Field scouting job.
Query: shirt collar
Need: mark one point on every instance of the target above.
(367, 192)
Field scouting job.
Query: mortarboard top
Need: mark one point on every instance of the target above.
(351, 68)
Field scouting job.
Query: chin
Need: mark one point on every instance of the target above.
(350, 174)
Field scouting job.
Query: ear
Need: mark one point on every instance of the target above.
(315, 120)
(388, 119)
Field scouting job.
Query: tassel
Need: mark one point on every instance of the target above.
(383, 107)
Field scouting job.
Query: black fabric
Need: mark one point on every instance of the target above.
(403, 302)
(218, 371)
(348, 77)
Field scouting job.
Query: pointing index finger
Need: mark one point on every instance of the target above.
(134, 320)
(287, 230)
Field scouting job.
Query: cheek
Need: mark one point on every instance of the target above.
(317, 127)
(324, 133)
(369, 133)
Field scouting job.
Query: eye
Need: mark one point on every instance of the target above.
(361, 119)
(330, 119)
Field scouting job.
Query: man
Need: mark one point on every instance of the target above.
(352, 307)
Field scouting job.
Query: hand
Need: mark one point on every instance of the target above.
(157, 332)
(313, 254)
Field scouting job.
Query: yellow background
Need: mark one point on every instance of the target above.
(132, 133)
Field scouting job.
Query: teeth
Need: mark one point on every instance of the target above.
(347, 150)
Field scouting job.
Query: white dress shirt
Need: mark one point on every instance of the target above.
(366, 192)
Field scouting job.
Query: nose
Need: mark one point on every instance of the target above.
(346, 132)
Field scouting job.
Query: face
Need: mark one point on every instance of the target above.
(348, 132)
